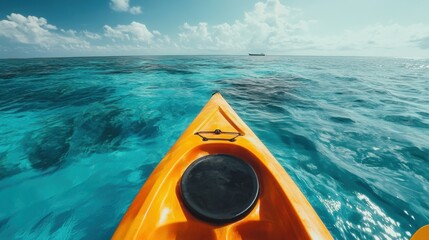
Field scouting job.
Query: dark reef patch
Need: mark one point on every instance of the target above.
(3, 222)
(343, 120)
(7, 169)
(406, 121)
(298, 141)
(100, 129)
(48, 147)
(104, 128)
(25, 96)
(423, 114)
(150, 68)
(41, 68)
(60, 219)
(8, 75)
(273, 91)
(43, 222)
(346, 78)
(415, 152)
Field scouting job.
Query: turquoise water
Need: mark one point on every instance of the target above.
(79, 136)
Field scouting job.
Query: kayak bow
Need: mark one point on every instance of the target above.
(219, 181)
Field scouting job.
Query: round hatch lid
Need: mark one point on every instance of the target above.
(219, 188)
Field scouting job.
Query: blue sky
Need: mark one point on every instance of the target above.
(48, 28)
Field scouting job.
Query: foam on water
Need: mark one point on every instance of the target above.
(79, 136)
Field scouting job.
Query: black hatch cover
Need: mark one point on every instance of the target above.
(219, 188)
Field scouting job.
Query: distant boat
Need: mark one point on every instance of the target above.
(256, 54)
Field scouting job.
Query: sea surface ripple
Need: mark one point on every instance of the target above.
(79, 136)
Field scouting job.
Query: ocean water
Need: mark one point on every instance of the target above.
(79, 136)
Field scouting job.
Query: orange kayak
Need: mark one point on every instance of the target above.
(219, 181)
(421, 234)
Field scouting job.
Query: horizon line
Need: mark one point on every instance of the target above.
(219, 55)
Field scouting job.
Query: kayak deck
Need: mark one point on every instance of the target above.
(281, 210)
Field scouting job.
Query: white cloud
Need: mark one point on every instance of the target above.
(385, 36)
(198, 36)
(273, 27)
(124, 6)
(422, 43)
(120, 5)
(135, 10)
(135, 32)
(268, 25)
(36, 31)
(34, 36)
(91, 35)
(372, 40)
